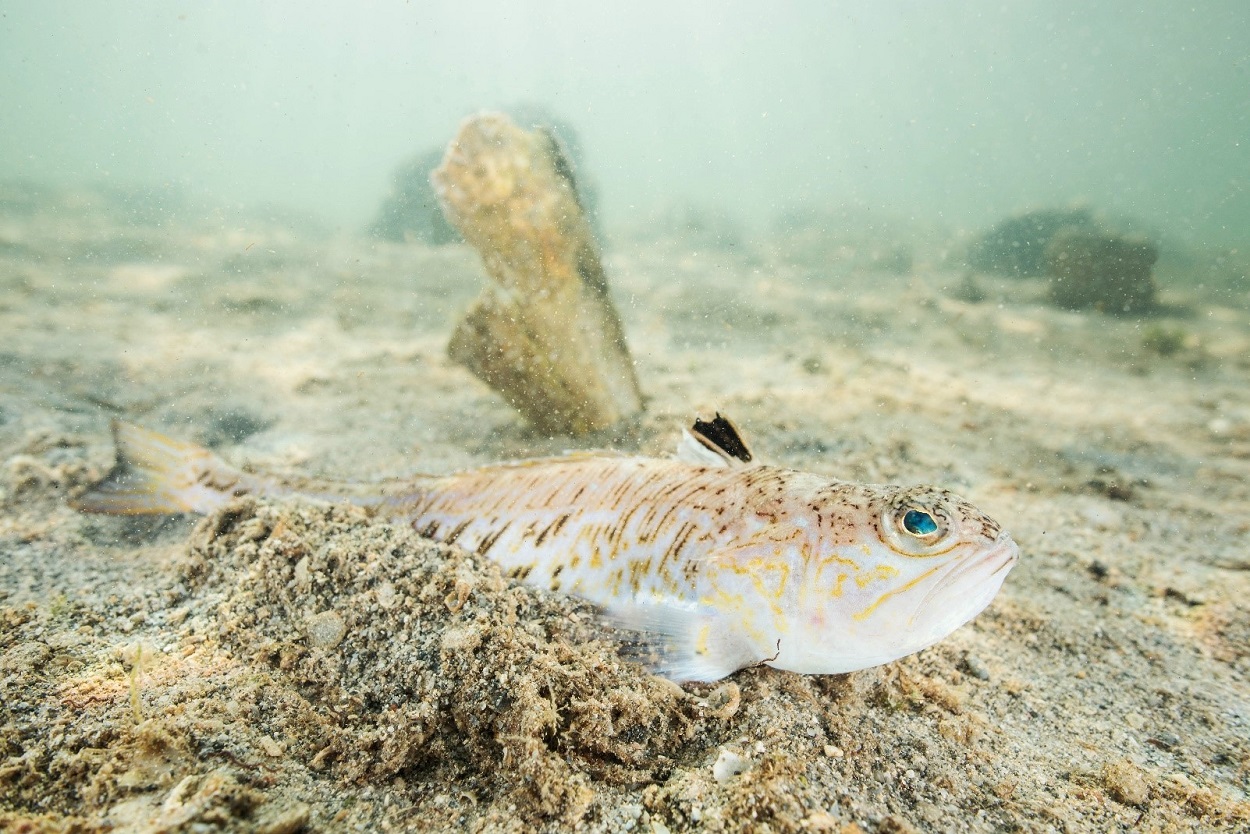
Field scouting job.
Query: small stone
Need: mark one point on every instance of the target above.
(463, 639)
(288, 822)
(1181, 783)
(303, 574)
(1165, 740)
(833, 751)
(896, 825)
(1135, 721)
(1126, 782)
(326, 630)
(630, 813)
(975, 667)
(728, 765)
(271, 747)
(821, 821)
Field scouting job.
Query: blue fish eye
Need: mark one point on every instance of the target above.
(919, 523)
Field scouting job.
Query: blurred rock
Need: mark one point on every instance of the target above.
(411, 210)
(1017, 246)
(1111, 273)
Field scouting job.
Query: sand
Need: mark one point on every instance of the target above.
(285, 666)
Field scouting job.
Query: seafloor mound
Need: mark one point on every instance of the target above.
(408, 656)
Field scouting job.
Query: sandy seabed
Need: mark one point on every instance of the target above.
(285, 666)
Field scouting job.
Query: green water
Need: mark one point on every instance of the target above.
(955, 111)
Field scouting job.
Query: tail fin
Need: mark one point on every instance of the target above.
(156, 474)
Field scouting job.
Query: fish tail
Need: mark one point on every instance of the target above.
(157, 474)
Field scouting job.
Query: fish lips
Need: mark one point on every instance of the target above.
(970, 586)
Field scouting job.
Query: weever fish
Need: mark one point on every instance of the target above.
(718, 561)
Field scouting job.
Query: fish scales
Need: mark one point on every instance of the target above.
(712, 560)
(573, 522)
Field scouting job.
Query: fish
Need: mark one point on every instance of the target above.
(711, 560)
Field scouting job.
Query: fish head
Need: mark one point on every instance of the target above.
(916, 563)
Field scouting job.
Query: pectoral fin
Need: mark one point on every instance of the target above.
(681, 641)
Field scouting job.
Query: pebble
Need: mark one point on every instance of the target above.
(1126, 783)
(976, 667)
(272, 748)
(821, 821)
(1165, 740)
(729, 765)
(289, 821)
(630, 813)
(326, 630)
(833, 751)
(385, 595)
(303, 575)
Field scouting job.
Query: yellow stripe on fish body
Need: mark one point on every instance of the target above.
(596, 527)
(714, 561)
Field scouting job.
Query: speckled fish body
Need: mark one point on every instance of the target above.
(716, 563)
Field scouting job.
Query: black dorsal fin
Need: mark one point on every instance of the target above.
(720, 435)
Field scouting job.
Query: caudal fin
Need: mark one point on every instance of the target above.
(156, 474)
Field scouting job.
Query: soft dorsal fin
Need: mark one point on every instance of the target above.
(714, 442)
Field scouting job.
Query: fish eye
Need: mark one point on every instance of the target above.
(919, 523)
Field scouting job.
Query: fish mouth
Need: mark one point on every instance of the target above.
(998, 560)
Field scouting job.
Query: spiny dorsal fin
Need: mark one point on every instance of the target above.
(714, 442)
(721, 433)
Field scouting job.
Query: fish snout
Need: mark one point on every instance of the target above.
(1004, 550)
